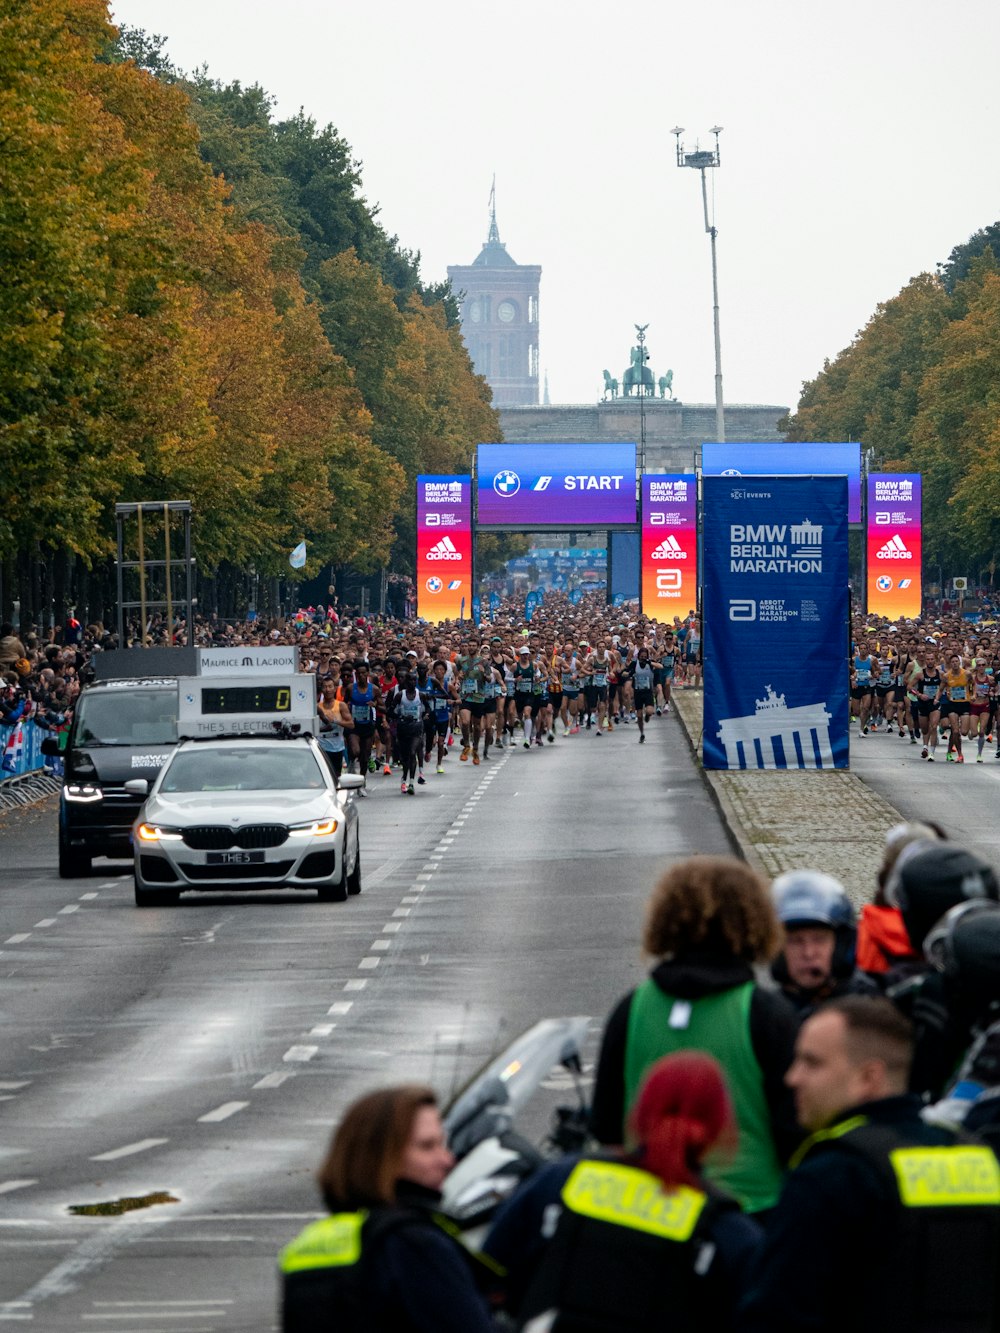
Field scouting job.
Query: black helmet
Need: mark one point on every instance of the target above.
(812, 898)
(965, 946)
(930, 877)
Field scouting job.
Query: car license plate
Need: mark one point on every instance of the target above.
(235, 858)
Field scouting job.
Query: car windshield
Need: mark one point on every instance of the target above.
(127, 717)
(241, 768)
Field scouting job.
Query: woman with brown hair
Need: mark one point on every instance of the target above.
(709, 921)
(384, 1260)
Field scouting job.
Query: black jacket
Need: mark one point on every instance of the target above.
(773, 1027)
(825, 1263)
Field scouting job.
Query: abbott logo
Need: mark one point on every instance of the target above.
(657, 519)
(506, 483)
(668, 580)
(883, 517)
(669, 549)
(445, 549)
(894, 549)
(542, 484)
(742, 608)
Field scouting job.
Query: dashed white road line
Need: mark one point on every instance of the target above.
(322, 1030)
(340, 1007)
(274, 1080)
(369, 962)
(300, 1053)
(14, 1087)
(391, 927)
(380, 944)
(8, 1186)
(88, 897)
(47, 921)
(143, 1145)
(222, 1112)
(70, 907)
(19, 939)
(356, 983)
(401, 911)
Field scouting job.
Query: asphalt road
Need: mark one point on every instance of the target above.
(962, 798)
(206, 1050)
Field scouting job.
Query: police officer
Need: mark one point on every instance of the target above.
(384, 1261)
(606, 1243)
(817, 960)
(886, 1224)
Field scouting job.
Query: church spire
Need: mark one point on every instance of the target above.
(494, 232)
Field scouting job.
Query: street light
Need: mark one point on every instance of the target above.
(702, 160)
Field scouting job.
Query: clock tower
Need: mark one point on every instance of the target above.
(499, 313)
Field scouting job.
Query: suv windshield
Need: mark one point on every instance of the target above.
(126, 717)
(241, 768)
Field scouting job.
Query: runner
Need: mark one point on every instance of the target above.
(524, 679)
(406, 706)
(955, 687)
(363, 699)
(443, 697)
(641, 673)
(861, 688)
(981, 705)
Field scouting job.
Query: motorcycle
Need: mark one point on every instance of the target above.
(493, 1158)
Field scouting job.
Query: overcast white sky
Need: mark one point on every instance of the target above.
(859, 145)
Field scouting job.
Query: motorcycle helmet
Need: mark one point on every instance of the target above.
(812, 898)
(965, 947)
(930, 877)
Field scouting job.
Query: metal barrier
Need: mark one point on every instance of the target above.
(27, 776)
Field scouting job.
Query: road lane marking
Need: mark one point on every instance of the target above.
(424, 879)
(409, 900)
(401, 911)
(8, 1186)
(369, 962)
(380, 944)
(356, 983)
(111, 884)
(300, 1053)
(88, 897)
(322, 1030)
(48, 921)
(391, 927)
(14, 1087)
(222, 1112)
(70, 907)
(141, 1146)
(19, 939)
(340, 1007)
(274, 1080)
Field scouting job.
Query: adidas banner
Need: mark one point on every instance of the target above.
(894, 545)
(775, 604)
(669, 546)
(444, 547)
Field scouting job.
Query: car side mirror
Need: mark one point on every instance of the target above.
(350, 782)
(137, 787)
(50, 745)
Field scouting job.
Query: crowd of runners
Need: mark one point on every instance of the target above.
(402, 699)
(934, 683)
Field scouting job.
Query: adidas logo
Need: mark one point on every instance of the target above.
(894, 549)
(669, 549)
(445, 549)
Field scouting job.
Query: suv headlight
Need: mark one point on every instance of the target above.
(157, 833)
(316, 828)
(78, 791)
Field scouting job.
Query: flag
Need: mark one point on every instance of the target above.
(298, 557)
(13, 752)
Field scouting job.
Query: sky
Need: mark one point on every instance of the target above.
(858, 147)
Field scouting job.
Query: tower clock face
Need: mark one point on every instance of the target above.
(505, 312)
(475, 312)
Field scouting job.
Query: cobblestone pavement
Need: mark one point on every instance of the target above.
(797, 818)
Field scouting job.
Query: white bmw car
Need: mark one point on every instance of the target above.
(242, 814)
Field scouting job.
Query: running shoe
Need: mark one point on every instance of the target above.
(527, 745)
(372, 764)
(930, 759)
(960, 759)
(574, 730)
(552, 737)
(979, 760)
(666, 709)
(451, 740)
(402, 789)
(411, 790)
(440, 768)
(465, 753)
(913, 740)
(386, 771)
(475, 758)
(631, 716)
(642, 738)
(864, 731)
(598, 733)
(950, 757)
(588, 723)
(421, 780)
(923, 753)
(658, 711)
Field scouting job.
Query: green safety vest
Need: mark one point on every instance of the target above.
(719, 1025)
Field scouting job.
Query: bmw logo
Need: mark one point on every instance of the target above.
(506, 483)
(883, 583)
(434, 584)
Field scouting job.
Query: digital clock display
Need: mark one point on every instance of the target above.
(247, 699)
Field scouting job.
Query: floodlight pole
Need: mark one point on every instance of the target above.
(703, 160)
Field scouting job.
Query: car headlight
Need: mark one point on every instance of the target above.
(77, 791)
(316, 828)
(157, 833)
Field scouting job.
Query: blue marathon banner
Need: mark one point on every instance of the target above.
(775, 607)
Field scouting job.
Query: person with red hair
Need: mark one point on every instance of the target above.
(637, 1239)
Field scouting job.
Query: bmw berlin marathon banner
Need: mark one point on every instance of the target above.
(894, 550)
(775, 636)
(444, 548)
(538, 486)
(669, 585)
